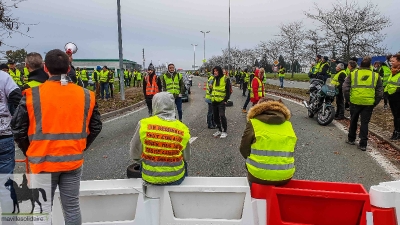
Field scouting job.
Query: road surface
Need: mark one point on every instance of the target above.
(321, 153)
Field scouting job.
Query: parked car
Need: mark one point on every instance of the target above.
(185, 97)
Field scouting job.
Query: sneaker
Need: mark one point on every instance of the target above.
(212, 127)
(347, 109)
(350, 142)
(395, 136)
(244, 111)
(362, 148)
(224, 135)
(216, 134)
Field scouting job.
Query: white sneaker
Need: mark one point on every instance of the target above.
(216, 134)
(224, 135)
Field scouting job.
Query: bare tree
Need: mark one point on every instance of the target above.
(270, 48)
(292, 41)
(356, 29)
(314, 45)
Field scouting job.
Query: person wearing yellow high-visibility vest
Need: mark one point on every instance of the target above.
(337, 81)
(111, 83)
(78, 75)
(126, 77)
(26, 73)
(161, 143)
(172, 82)
(104, 82)
(220, 94)
(268, 143)
(134, 75)
(257, 88)
(15, 73)
(385, 73)
(246, 81)
(281, 74)
(363, 89)
(139, 78)
(37, 75)
(392, 90)
(85, 77)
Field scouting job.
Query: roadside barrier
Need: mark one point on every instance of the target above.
(385, 199)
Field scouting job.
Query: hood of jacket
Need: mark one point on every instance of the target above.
(164, 105)
(271, 112)
(38, 75)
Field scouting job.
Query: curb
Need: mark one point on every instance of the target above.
(375, 130)
(121, 111)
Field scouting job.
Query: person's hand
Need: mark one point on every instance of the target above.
(180, 95)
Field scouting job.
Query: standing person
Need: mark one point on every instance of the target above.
(15, 73)
(139, 78)
(168, 165)
(268, 143)
(220, 94)
(281, 74)
(130, 77)
(134, 78)
(57, 150)
(249, 90)
(257, 88)
(210, 117)
(85, 77)
(96, 78)
(363, 89)
(385, 74)
(4, 68)
(324, 69)
(111, 83)
(246, 81)
(126, 77)
(392, 90)
(173, 83)
(72, 72)
(338, 81)
(104, 81)
(150, 87)
(37, 75)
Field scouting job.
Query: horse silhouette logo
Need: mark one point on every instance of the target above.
(22, 192)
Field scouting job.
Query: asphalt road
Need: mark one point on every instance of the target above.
(321, 153)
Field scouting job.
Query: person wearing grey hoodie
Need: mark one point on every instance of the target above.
(164, 113)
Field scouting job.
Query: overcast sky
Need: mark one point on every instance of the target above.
(167, 28)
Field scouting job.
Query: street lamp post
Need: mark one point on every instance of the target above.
(194, 56)
(229, 41)
(121, 65)
(204, 32)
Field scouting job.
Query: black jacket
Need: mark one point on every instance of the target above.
(72, 75)
(37, 75)
(158, 80)
(20, 124)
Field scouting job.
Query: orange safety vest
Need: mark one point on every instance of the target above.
(57, 129)
(151, 89)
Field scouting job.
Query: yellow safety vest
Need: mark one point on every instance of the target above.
(218, 93)
(247, 77)
(363, 83)
(33, 83)
(208, 90)
(84, 75)
(104, 76)
(163, 145)
(126, 74)
(271, 156)
(16, 76)
(138, 76)
(112, 78)
(260, 92)
(282, 72)
(335, 79)
(387, 73)
(172, 85)
(317, 66)
(26, 74)
(393, 84)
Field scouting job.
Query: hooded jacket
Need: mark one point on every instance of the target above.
(164, 108)
(254, 87)
(270, 112)
(37, 75)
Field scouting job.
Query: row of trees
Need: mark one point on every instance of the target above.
(346, 30)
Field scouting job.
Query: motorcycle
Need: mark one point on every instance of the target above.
(321, 98)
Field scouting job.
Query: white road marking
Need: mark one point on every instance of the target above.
(192, 139)
(122, 116)
(387, 166)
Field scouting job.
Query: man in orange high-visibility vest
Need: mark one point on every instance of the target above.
(54, 133)
(151, 86)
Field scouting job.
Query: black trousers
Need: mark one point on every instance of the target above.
(340, 104)
(385, 98)
(111, 86)
(149, 103)
(219, 115)
(365, 113)
(394, 103)
(244, 88)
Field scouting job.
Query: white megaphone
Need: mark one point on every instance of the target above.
(70, 48)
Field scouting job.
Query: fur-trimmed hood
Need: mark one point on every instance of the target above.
(271, 112)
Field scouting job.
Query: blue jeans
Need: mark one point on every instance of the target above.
(178, 103)
(7, 155)
(104, 87)
(246, 103)
(281, 81)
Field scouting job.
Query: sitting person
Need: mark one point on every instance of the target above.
(268, 143)
(161, 142)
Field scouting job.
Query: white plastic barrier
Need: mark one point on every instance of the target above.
(198, 200)
(109, 202)
(386, 195)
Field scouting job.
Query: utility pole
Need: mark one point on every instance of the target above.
(229, 41)
(144, 60)
(204, 56)
(121, 64)
(194, 59)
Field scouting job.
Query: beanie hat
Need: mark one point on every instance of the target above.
(326, 58)
(98, 68)
(151, 67)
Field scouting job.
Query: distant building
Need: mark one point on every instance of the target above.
(112, 64)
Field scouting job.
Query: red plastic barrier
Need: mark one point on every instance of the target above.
(314, 203)
(384, 216)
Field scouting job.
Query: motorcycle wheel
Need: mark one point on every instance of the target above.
(328, 117)
(310, 114)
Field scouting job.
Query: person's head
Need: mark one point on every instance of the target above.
(105, 68)
(84, 68)
(265, 105)
(4, 67)
(366, 62)
(11, 64)
(377, 64)
(78, 69)
(217, 71)
(164, 104)
(171, 68)
(318, 58)
(395, 61)
(257, 73)
(56, 62)
(280, 66)
(339, 67)
(225, 72)
(388, 57)
(33, 61)
(325, 59)
(352, 65)
(262, 71)
(151, 70)
(98, 68)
